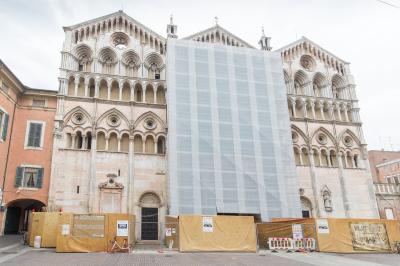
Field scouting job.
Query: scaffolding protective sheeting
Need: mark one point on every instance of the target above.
(229, 137)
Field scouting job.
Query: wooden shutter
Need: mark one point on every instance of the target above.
(18, 177)
(5, 125)
(39, 179)
(35, 134)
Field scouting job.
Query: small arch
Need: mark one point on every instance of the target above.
(149, 144)
(71, 86)
(103, 89)
(319, 82)
(125, 142)
(138, 143)
(113, 142)
(161, 145)
(138, 93)
(160, 95)
(126, 92)
(149, 94)
(306, 207)
(101, 141)
(114, 92)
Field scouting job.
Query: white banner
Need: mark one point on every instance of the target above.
(122, 228)
(322, 226)
(208, 224)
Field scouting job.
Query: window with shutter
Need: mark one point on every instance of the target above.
(35, 135)
(39, 179)
(4, 127)
(19, 176)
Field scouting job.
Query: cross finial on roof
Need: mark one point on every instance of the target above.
(171, 19)
(216, 21)
(262, 30)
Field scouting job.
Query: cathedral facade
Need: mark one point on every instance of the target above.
(111, 128)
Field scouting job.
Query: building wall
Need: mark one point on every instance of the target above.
(17, 101)
(377, 157)
(330, 150)
(21, 155)
(101, 74)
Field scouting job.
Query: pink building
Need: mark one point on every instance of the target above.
(26, 127)
(385, 169)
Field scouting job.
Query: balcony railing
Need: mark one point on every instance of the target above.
(387, 188)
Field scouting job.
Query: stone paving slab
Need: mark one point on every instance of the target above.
(47, 257)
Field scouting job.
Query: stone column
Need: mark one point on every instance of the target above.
(84, 138)
(346, 116)
(305, 113)
(331, 111)
(73, 141)
(338, 111)
(92, 176)
(96, 88)
(314, 183)
(86, 87)
(131, 176)
(321, 109)
(119, 143)
(312, 103)
(293, 102)
(76, 86)
(106, 148)
(342, 181)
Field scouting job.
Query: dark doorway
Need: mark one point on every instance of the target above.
(17, 214)
(306, 214)
(149, 223)
(12, 220)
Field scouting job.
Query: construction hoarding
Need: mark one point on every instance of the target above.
(358, 235)
(336, 235)
(217, 233)
(43, 224)
(93, 232)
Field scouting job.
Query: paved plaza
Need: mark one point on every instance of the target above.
(17, 254)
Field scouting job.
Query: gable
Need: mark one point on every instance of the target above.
(217, 34)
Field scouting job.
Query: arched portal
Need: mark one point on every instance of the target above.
(17, 214)
(150, 205)
(306, 207)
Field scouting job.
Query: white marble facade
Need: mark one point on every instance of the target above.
(109, 150)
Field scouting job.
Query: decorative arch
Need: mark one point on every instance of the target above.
(326, 132)
(351, 134)
(107, 55)
(301, 133)
(154, 59)
(131, 59)
(113, 111)
(68, 116)
(150, 199)
(148, 114)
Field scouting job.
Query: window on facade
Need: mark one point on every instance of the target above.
(3, 125)
(4, 87)
(38, 103)
(29, 177)
(34, 135)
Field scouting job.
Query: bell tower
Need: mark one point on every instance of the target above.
(172, 29)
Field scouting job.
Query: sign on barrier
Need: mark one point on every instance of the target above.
(286, 243)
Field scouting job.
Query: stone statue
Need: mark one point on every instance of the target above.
(327, 198)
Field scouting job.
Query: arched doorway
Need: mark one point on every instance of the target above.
(17, 214)
(306, 207)
(150, 204)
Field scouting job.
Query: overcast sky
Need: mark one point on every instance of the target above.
(365, 33)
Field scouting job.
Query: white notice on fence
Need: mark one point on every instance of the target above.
(122, 227)
(297, 230)
(208, 224)
(322, 226)
(65, 229)
(168, 232)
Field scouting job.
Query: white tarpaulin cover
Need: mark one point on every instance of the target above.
(229, 140)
